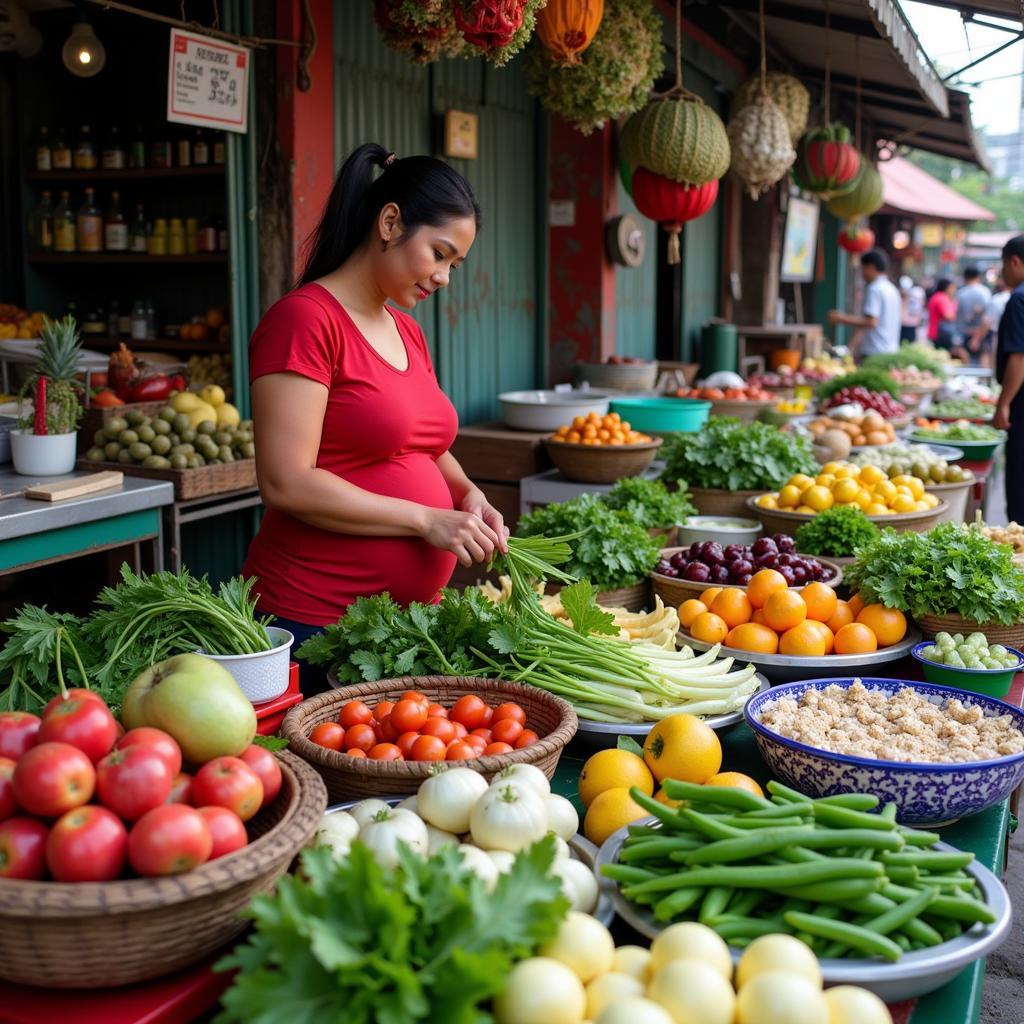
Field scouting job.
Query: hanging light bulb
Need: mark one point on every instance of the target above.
(83, 53)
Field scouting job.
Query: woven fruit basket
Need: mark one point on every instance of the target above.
(995, 632)
(634, 599)
(352, 778)
(601, 464)
(710, 501)
(777, 520)
(619, 376)
(103, 934)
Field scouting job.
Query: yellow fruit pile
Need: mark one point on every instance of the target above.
(17, 323)
(843, 485)
(599, 430)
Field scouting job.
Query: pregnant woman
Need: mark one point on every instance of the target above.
(352, 428)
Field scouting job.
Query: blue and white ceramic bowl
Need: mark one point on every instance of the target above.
(925, 794)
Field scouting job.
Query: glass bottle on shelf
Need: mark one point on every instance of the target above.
(158, 238)
(61, 152)
(89, 224)
(114, 157)
(115, 226)
(139, 236)
(222, 235)
(137, 148)
(41, 224)
(191, 235)
(44, 151)
(94, 323)
(184, 151)
(219, 148)
(114, 320)
(160, 153)
(140, 325)
(64, 225)
(208, 236)
(85, 150)
(200, 149)
(176, 237)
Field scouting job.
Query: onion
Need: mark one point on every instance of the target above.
(578, 884)
(634, 1010)
(778, 953)
(562, 817)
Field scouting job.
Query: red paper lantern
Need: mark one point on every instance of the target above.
(671, 204)
(857, 240)
(566, 27)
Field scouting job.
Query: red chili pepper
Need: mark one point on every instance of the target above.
(152, 389)
(40, 424)
(178, 382)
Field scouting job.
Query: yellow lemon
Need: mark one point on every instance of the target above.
(609, 811)
(806, 510)
(877, 509)
(921, 506)
(611, 769)
(825, 479)
(767, 501)
(845, 490)
(864, 499)
(819, 497)
(904, 503)
(871, 475)
(831, 467)
(801, 481)
(789, 496)
(885, 491)
(916, 486)
(682, 747)
(846, 472)
(931, 500)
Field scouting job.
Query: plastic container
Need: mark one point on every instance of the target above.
(724, 529)
(974, 451)
(719, 348)
(43, 454)
(264, 675)
(993, 682)
(548, 410)
(663, 415)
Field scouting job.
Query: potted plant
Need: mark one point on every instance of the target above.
(45, 443)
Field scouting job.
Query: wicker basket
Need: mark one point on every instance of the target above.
(239, 475)
(745, 411)
(995, 633)
(712, 502)
(103, 934)
(777, 520)
(352, 778)
(634, 599)
(601, 464)
(619, 376)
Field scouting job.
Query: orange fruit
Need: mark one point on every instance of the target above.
(709, 628)
(751, 636)
(856, 603)
(804, 640)
(707, 597)
(826, 634)
(855, 638)
(763, 584)
(783, 610)
(842, 616)
(735, 780)
(732, 607)
(888, 624)
(758, 616)
(821, 601)
(689, 610)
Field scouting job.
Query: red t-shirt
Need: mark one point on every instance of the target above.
(383, 431)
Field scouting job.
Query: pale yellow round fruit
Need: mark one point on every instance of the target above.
(848, 1004)
(634, 1009)
(691, 941)
(779, 998)
(609, 988)
(693, 992)
(634, 960)
(777, 953)
(583, 944)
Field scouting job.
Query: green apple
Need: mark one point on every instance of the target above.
(197, 701)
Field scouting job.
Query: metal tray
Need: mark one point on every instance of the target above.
(913, 975)
(789, 668)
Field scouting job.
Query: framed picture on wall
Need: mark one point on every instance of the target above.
(799, 242)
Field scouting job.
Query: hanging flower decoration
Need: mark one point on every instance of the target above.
(671, 203)
(614, 74)
(790, 96)
(497, 29)
(826, 163)
(856, 239)
(423, 30)
(863, 199)
(566, 28)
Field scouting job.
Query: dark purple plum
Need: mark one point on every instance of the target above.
(786, 573)
(671, 573)
(713, 553)
(764, 546)
(745, 579)
(679, 560)
(740, 567)
(732, 552)
(719, 574)
(766, 561)
(785, 543)
(695, 550)
(662, 565)
(785, 559)
(799, 574)
(697, 572)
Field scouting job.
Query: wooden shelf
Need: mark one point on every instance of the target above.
(127, 174)
(99, 259)
(158, 344)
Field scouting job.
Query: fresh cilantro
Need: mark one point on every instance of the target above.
(836, 531)
(649, 502)
(581, 607)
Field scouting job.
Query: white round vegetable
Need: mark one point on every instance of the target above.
(582, 943)
(366, 809)
(779, 998)
(540, 991)
(386, 829)
(509, 817)
(562, 851)
(337, 830)
(578, 884)
(778, 953)
(608, 988)
(480, 864)
(634, 1010)
(436, 838)
(562, 817)
(633, 960)
(446, 800)
(408, 804)
(848, 1004)
(502, 859)
(525, 773)
(690, 941)
(693, 992)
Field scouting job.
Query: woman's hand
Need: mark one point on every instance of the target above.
(476, 504)
(464, 534)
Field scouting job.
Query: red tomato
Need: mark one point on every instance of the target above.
(8, 805)
(155, 739)
(53, 778)
(460, 751)
(168, 840)
(328, 734)
(361, 736)
(478, 743)
(510, 710)
(488, 718)
(436, 711)
(405, 743)
(508, 730)
(408, 715)
(18, 731)
(470, 711)
(82, 722)
(355, 712)
(181, 789)
(355, 752)
(526, 738)
(382, 710)
(428, 748)
(415, 695)
(133, 781)
(461, 732)
(228, 782)
(386, 730)
(88, 844)
(266, 766)
(485, 733)
(442, 728)
(226, 830)
(497, 748)
(385, 752)
(23, 848)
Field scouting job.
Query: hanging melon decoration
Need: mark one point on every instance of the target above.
(856, 240)
(826, 162)
(566, 27)
(759, 141)
(790, 96)
(863, 199)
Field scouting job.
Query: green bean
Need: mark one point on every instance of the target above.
(888, 812)
(709, 826)
(716, 899)
(644, 831)
(675, 904)
(843, 817)
(915, 837)
(943, 861)
(784, 793)
(723, 796)
(948, 928)
(744, 901)
(782, 810)
(898, 893)
(792, 903)
(948, 883)
(840, 891)
(834, 838)
(894, 919)
(627, 874)
(830, 910)
(665, 814)
(747, 928)
(961, 908)
(867, 853)
(902, 941)
(654, 848)
(748, 846)
(922, 933)
(839, 931)
(749, 822)
(852, 801)
(902, 873)
(874, 903)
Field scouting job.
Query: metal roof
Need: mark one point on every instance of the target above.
(910, 189)
(1011, 9)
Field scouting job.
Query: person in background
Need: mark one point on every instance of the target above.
(912, 313)
(942, 316)
(996, 306)
(972, 323)
(878, 328)
(1010, 374)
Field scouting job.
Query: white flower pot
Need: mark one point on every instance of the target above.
(43, 454)
(262, 676)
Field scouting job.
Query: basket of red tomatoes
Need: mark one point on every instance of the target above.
(384, 738)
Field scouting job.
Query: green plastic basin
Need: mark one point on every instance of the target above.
(663, 415)
(993, 682)
(974, 451)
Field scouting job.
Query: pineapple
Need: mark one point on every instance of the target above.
(59, 351)
(52, 382)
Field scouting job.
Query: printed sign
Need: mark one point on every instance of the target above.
(208, 82)
(799, 241)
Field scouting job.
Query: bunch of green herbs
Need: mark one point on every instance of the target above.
(873, 379)
(649, 503)
(902, 359)
(836, 531)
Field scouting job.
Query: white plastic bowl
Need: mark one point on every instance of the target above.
(43, 455)
(727, 530)
(264, 675)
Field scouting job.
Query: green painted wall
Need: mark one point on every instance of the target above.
(830, 293)
(635, 291)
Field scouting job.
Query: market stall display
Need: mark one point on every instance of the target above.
(971, 409)
(744, 403)
(970, 663)
(836, 533)
(869, 429)
(978, 442)
(590, 460)
(549, 410)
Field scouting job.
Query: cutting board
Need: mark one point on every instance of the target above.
(80, 487)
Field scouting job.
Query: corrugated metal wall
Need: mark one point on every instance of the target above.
(635, 290)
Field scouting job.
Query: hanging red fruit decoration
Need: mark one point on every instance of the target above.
(497, 29)
(827, 164)
(671, 203)
(856, 240)
(566, 27)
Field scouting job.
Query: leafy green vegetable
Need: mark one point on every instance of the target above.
(963, 408)
(906, 356)
(959, 432)
(649, 502)
(950, 569)
(733, 456)
(613, 550)
(346, 941)
(271, 743)
(872, 379)
(836, 531)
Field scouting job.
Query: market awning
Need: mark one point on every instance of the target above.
(909, 189)
(1011, 9)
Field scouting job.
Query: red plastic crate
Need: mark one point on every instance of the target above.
(270, 714)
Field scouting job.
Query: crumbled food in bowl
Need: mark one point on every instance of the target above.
(861, 722)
